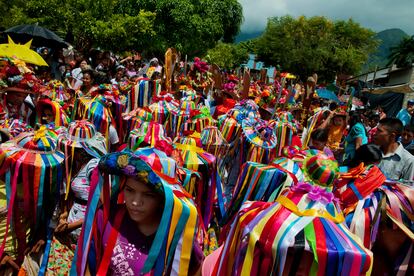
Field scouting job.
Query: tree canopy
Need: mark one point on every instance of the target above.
(403, 54)
(307, 45)
(119, 25)
(227, 55)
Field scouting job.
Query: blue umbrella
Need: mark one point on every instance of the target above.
(327, 94)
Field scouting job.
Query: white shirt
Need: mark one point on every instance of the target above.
(398, 165)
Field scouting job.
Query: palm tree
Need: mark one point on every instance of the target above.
(403, 54)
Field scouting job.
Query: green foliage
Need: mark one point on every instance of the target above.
(190, 26)
(227, 55)
(304, 46)
(403, 54)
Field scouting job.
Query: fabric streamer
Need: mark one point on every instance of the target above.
(259, 141)
(80, 135)
(265, 238)
(150, 134)
(209, 187)
(175, 235)
(256, 182)
(34, 173)
(368, 199)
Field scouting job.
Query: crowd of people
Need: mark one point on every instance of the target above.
(107, 170)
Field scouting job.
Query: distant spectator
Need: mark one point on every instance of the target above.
(77, 74)
(356, 137)
(130, 70)
(119, 75)
(405, 114)
(407, 138)
(373, 124)
(397, 162)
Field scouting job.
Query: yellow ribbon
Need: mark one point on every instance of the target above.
(187, 244)
(40, 134)
(189, 148)
(288, 204)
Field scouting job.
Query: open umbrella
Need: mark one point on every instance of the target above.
(325, 93)
(22, 52)
(40, 35)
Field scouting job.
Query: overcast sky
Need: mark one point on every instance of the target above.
(377, 15)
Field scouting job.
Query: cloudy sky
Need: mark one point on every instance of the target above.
(377, 15)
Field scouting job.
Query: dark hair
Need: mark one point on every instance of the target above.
(89, 72)
(393, 125)
(375, 116)
(368, 153)
(333, 106)
(409, 128)
(320, 135)
(354, 118)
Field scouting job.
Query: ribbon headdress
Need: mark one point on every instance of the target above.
(173, 241)
(34, 166)
(305, 218)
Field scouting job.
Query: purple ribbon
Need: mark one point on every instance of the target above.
(314, 193)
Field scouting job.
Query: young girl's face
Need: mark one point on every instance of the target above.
(48, 115)
(338, 120)
(319, 145)
(144, 205)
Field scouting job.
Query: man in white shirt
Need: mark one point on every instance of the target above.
(397, 163)
(77, 74)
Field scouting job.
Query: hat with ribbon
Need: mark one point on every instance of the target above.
(55, 90)
(172, 240)
(229, 128)
(213, 142)
(196, 159)
(34, 166)
(286, 236)
(162, 108)
(61, 119)
(259, 139)
(320, 169)
(150, 134)
(81, 135)
(135, 118)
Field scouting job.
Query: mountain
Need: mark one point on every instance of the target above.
(246, 36)
(388, 39)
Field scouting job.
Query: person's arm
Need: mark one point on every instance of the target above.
(358, 142)
(75, 225)
(327, 122)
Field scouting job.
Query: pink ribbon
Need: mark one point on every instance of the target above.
(314, 192)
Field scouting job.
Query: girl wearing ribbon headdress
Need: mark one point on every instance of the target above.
(50, 113)
(146, 225)
(82, 146)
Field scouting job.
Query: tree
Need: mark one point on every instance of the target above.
(403, 54)
(304, 46)
(91, 23)
(227, 55)
(191, 27)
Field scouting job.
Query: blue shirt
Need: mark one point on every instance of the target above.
(404, 116)
(357, 131)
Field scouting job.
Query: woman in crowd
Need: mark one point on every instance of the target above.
(82, 146)
(356, 137)
(88, 81)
